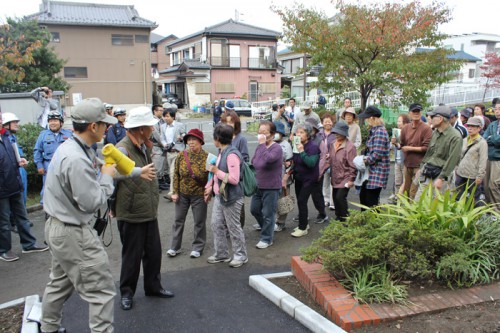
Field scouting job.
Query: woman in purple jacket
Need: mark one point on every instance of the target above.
(306, 174)
(267, 162)
(342, 169)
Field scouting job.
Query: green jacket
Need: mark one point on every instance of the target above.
(444, 151)
(136, 198)
(493, 141)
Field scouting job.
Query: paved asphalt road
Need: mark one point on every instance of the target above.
(208, 298)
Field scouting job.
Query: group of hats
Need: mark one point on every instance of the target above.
(92, 110)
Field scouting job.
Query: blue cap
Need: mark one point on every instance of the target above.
(280, 127)
(229, 105)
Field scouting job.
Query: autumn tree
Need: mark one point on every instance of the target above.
(491, 71)
(373, 47)
(29, 61)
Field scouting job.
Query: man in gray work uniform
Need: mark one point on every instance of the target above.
(75, 188)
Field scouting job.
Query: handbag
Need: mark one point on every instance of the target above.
(431, 171)
(285, 203)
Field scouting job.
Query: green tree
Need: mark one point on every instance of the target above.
(372, 47)
(44, 64)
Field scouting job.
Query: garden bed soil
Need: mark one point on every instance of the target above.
(11, 319)
(481, 318)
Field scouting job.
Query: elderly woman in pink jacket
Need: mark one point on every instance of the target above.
(342, 169)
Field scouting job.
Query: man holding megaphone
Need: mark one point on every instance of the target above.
(77, 185)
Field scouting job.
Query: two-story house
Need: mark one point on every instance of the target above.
(159, 56)
(476, 45)
(107, 48)
(227, 60)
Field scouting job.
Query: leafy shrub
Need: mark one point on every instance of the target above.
(26, 137)
(434, 237)
(479, 262)
(374, 284)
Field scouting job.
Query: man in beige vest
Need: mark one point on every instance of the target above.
(137, 212)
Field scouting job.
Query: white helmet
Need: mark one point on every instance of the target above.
(8, 117)
(140, 116)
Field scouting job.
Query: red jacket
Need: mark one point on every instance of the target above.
(342, 168)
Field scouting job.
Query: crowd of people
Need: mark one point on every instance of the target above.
(323, 157)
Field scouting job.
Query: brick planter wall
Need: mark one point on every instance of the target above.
(347, 313)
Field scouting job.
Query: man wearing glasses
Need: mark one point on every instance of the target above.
(443, 154)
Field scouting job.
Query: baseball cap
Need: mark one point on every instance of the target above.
(371, 111)
(454, 112)
(442, 110)
(467, 112)
(229, 105)
(307, 106)
(415, 107)
(91, 110)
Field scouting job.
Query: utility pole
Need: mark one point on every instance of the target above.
(305, 76)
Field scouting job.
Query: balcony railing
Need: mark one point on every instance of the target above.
(234, 62)
(261, 63)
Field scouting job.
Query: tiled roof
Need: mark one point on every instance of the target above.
(460, 55)
(185, 65)
(91, 14)
(154, 38)
(231, 28)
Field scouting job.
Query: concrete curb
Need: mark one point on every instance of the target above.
(34, 208)
(296, 309)
(29, 301)
(29, 326)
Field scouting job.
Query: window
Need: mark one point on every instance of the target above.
(472, 73)
(267, 88)
(224, 87)
(287, 64)
(176, 58)
(75, 72)
(297, 64)
(203, 87)
(219, 53)
(234, 56)
(197, 51)
(122, 40)
(141, 38)
(55, 38)
(185, 54)
(261, 57)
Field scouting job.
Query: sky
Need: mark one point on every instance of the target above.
(184, 17)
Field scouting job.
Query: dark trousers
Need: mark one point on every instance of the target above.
(319, 200)
(141, 242)
(14, 205)
(463, 184)
(303, 192)
(340, 202)
(369, 197)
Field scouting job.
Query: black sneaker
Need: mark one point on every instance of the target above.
(320, 219)
(36, 248)
(8, 256)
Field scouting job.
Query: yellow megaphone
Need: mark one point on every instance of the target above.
(112, 155)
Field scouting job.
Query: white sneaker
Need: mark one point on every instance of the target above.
(257, 227)
(297, 228)
(299, 233)
(235, 263)
(173, 253)
(213, 259)
(279, 227)
(195, 254)
(263, 245)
